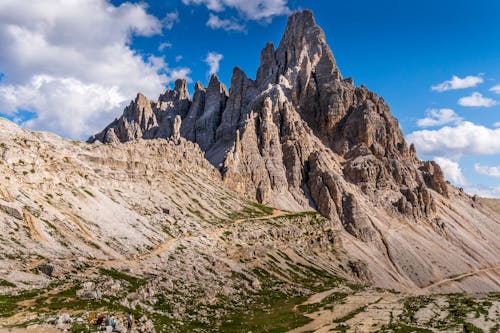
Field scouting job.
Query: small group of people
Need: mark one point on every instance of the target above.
(108, 323)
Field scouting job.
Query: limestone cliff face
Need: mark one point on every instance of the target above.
(297, 137)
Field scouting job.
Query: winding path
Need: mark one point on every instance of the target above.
(461, 276)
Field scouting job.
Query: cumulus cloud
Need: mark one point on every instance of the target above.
(48, 95)
(213, 61)
(251, 10)
(215, 22)
(452, 170)
(497, 124)
(493, 171)
(458, 83)
(477, 100)
(70, 62)
(495, 89)
(464, 139)
(438, 117)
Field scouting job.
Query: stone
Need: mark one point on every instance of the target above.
(11, 208)
(296, 138)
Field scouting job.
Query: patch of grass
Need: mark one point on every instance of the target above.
(401, 328)
(5, 283)
(326, 303)
(470, 328)
(88, 192)
(9, 303)
(272, 312)
(350, 315)
(135, 282)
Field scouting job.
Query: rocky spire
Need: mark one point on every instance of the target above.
(210, 119)
(298, 137)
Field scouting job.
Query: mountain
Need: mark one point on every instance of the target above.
(282, 205)
(301, 137)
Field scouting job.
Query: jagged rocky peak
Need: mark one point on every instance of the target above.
(298, 137)
(302, 49)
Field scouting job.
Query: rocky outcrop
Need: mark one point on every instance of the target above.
(297, 137)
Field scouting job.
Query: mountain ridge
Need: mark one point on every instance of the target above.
(301, 137)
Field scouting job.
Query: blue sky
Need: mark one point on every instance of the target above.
(71, 70)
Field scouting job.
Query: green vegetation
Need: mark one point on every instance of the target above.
(5, 283)
(88, 192)
(251, 210)
(270, 310)
(135, 282)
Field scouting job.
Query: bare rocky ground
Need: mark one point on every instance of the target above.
(147, 227)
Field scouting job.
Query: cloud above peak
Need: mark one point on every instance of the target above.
(213, 61)
(458, 83)
(215, 22)
(249, 10)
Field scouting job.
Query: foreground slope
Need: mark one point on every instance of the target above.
(148, 227)
(302, 137)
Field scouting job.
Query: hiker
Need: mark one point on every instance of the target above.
(130, 321)
(110, 321)
(100, 320)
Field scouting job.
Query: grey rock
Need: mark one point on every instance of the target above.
(298, 137)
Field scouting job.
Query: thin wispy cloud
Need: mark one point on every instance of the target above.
(477, 100)
(439, 117)
(215, 22)
(170, 19)
(248, 9)
(164, 46)
(493, 171)
(458, 83)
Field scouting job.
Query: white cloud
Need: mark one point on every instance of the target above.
(213, 61)
(178, 58)
(438, 117)
(451, 170)
(487, 170)
(216, 22)
(170, 19)
(465, 138)
(497, 124)
(495, 89)
(477, 100)
(164, 46)
(49, 96)
(248, 9)
(71, 64)
(458, 83)
(179, 73)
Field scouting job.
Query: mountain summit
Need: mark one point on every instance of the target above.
(279, 138)
(301, 137)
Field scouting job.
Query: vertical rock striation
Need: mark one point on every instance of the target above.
(297, 137)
